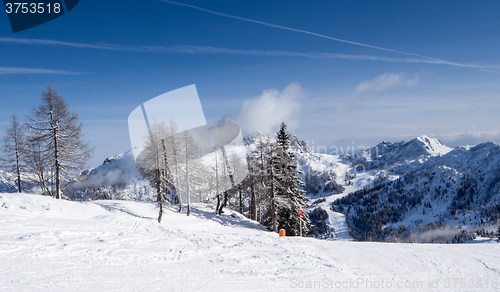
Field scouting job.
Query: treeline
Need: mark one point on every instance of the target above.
(46, 149)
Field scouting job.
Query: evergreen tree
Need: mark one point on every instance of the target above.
(275, 187)
(264, 164)
(276, 202)
(290, 187)
(57, 135)
(14, 158)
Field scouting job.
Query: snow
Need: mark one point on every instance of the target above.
(387, 154)
(433, 146)
(57, 245)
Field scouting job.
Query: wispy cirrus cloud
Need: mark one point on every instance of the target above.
(187, 49)
(17, 70)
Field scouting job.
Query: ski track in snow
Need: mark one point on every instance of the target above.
(54, 245)
(321, 162)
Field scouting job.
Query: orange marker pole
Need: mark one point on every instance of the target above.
(300, 220)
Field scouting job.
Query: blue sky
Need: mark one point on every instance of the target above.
(407, 68)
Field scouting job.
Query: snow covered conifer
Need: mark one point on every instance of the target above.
(264, 168)
(58, 134)
(290, 187)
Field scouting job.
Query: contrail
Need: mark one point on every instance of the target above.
(69, 44)
(17, 70)
(216, 50)
(185, 49)
(316, 34)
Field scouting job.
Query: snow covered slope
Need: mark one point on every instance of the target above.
(57, 245)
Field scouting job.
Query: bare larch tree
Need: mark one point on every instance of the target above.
(58, 135)
(13, 158)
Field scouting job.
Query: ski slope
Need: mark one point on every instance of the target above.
(55, 245)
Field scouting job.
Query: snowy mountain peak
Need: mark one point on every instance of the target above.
(387, 153)
(433, 146)
(111, 159)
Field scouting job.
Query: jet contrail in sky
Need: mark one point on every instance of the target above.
(440, 61)
(17, 70)
(188, 49)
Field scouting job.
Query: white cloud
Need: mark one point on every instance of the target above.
(470, 138)
(264, 113)
(383, 83)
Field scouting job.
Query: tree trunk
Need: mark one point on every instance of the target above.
(159, 197)
(273, 209)
(273, 198)
(160, 215)
(241, 200)
(176, 173)
(57, 166)
(187, 181)
(253, 204)
(224, 203)
(218, 204)
(217, 183)
(18, 167)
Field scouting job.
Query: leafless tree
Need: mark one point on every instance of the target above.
(153, 163)
(58, 136)
(14, 159)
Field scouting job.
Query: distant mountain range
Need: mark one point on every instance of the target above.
(420, 183)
